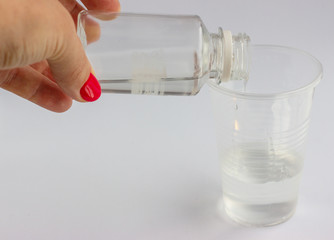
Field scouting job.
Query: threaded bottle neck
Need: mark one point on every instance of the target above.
(230, 59)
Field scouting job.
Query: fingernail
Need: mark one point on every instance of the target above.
(91, 90)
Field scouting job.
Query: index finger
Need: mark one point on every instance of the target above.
(105, 5)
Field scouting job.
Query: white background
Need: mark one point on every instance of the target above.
(144, 167)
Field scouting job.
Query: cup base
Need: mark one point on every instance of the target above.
(260, 215)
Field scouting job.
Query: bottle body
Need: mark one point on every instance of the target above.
(150, 54)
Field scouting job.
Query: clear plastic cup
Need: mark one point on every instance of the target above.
(261, 127)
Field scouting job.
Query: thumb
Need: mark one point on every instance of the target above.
(70, 67)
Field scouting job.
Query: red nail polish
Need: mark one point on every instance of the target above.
(91, 90)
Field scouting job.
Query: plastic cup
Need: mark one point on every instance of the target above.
(261, 131)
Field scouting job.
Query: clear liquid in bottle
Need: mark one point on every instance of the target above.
(159, 54)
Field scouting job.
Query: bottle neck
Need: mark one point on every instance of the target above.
(230, 58)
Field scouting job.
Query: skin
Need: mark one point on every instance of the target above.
(41, 57)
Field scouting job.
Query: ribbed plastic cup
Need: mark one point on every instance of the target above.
(261, 127)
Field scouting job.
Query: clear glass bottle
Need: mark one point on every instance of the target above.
(159, 54)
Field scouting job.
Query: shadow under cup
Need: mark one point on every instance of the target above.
(261, 129)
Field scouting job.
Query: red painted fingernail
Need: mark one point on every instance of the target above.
(91, 90)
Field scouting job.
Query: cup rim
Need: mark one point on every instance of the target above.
(213, 85)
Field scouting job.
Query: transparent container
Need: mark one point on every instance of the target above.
(261, 129)
(159, 54)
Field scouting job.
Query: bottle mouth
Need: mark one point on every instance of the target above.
(241, 57)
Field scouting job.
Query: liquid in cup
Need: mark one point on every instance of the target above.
(263, 192)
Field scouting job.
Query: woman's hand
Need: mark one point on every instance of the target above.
(41, 57)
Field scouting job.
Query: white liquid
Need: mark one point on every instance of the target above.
(260, 188)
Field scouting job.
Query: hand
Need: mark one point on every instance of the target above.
(41, 57)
